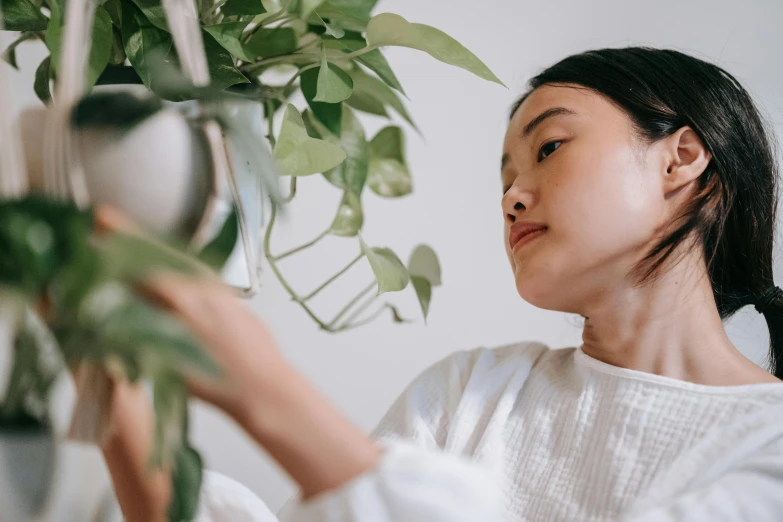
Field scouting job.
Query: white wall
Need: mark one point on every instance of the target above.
(455, 207)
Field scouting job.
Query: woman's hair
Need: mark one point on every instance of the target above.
(732, 213)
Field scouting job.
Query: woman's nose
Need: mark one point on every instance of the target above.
(514, 204)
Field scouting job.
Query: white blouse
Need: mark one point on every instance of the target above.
(525, 433)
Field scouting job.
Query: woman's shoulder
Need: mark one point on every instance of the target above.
(499, 363)
(425, 409)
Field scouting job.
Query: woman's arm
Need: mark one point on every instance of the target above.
(143, 492)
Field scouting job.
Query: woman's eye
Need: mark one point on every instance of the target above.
(547, 149)
(506, 188)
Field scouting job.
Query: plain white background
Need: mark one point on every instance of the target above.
(455, 205)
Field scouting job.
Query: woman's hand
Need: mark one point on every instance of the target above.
(317, 446)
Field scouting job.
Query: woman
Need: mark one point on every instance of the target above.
(639, 191)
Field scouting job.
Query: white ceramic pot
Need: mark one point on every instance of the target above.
(159, 173)
(27, 460)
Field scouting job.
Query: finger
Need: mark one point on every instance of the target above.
(109, 219)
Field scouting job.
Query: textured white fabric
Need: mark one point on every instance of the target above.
(559, 436)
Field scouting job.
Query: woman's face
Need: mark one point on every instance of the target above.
(586, 192)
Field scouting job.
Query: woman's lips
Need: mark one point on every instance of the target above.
(523, 233)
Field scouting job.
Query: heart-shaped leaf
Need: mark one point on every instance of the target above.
(423, 293)
(388, 175)
(22, 15)
(153, 10)
(359, 8)
(352, 173)
(424, 263)
(242, 7)
(374, 60)
(370, 86)
(329, 114)
(350, 218)
(389, 178)
(42, 77)
(389, 271)
(228, 35)
(222, 71)
(217, 252)
(297, 154)
(265, 42)
(100, 50)
(391, 29)
(186, 484)
(334, 84)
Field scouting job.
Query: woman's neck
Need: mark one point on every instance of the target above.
(668, 327)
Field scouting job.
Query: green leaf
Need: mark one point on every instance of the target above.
(297, 154)
(117, 322)
(334, 84)
(358, 8)
(169, 398)
(389, 178)
(41, 84)
(389, 143)
(388, 174)
(365, 85)
(117, 56)
(387, 267)
(350, 218)
(186, 484)
(424, 263)
(100, 51)
(228, 35)
(265, 43)
(148, 46)
(352, 173)
(306, 7)
(423, 293)
(329, 114)
(22, 15)
(217, 252)
(339, 17)
(144, 44)
(132, 258)
(391, 29)
(373, 60)
(222, 71)
(332, 29)
(153, 11)
(9, 55)
(365, 102)
(114, 8)
(242, 7)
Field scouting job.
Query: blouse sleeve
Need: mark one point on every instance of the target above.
(226, 500)
(409, 484)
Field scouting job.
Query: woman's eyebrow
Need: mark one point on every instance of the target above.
(534, 123)
(549, 113)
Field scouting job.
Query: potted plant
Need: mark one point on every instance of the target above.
(259, 54)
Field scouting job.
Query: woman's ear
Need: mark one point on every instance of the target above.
(686, 159)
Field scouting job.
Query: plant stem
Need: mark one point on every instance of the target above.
(351, 303)
(298, 73)
(270, 259)
(369, 319)
(279, 15)
(292, 191)
(270, 117)
(359, 52)
(302, 247)
(217, 5)
(359, 309)
(333, 278)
